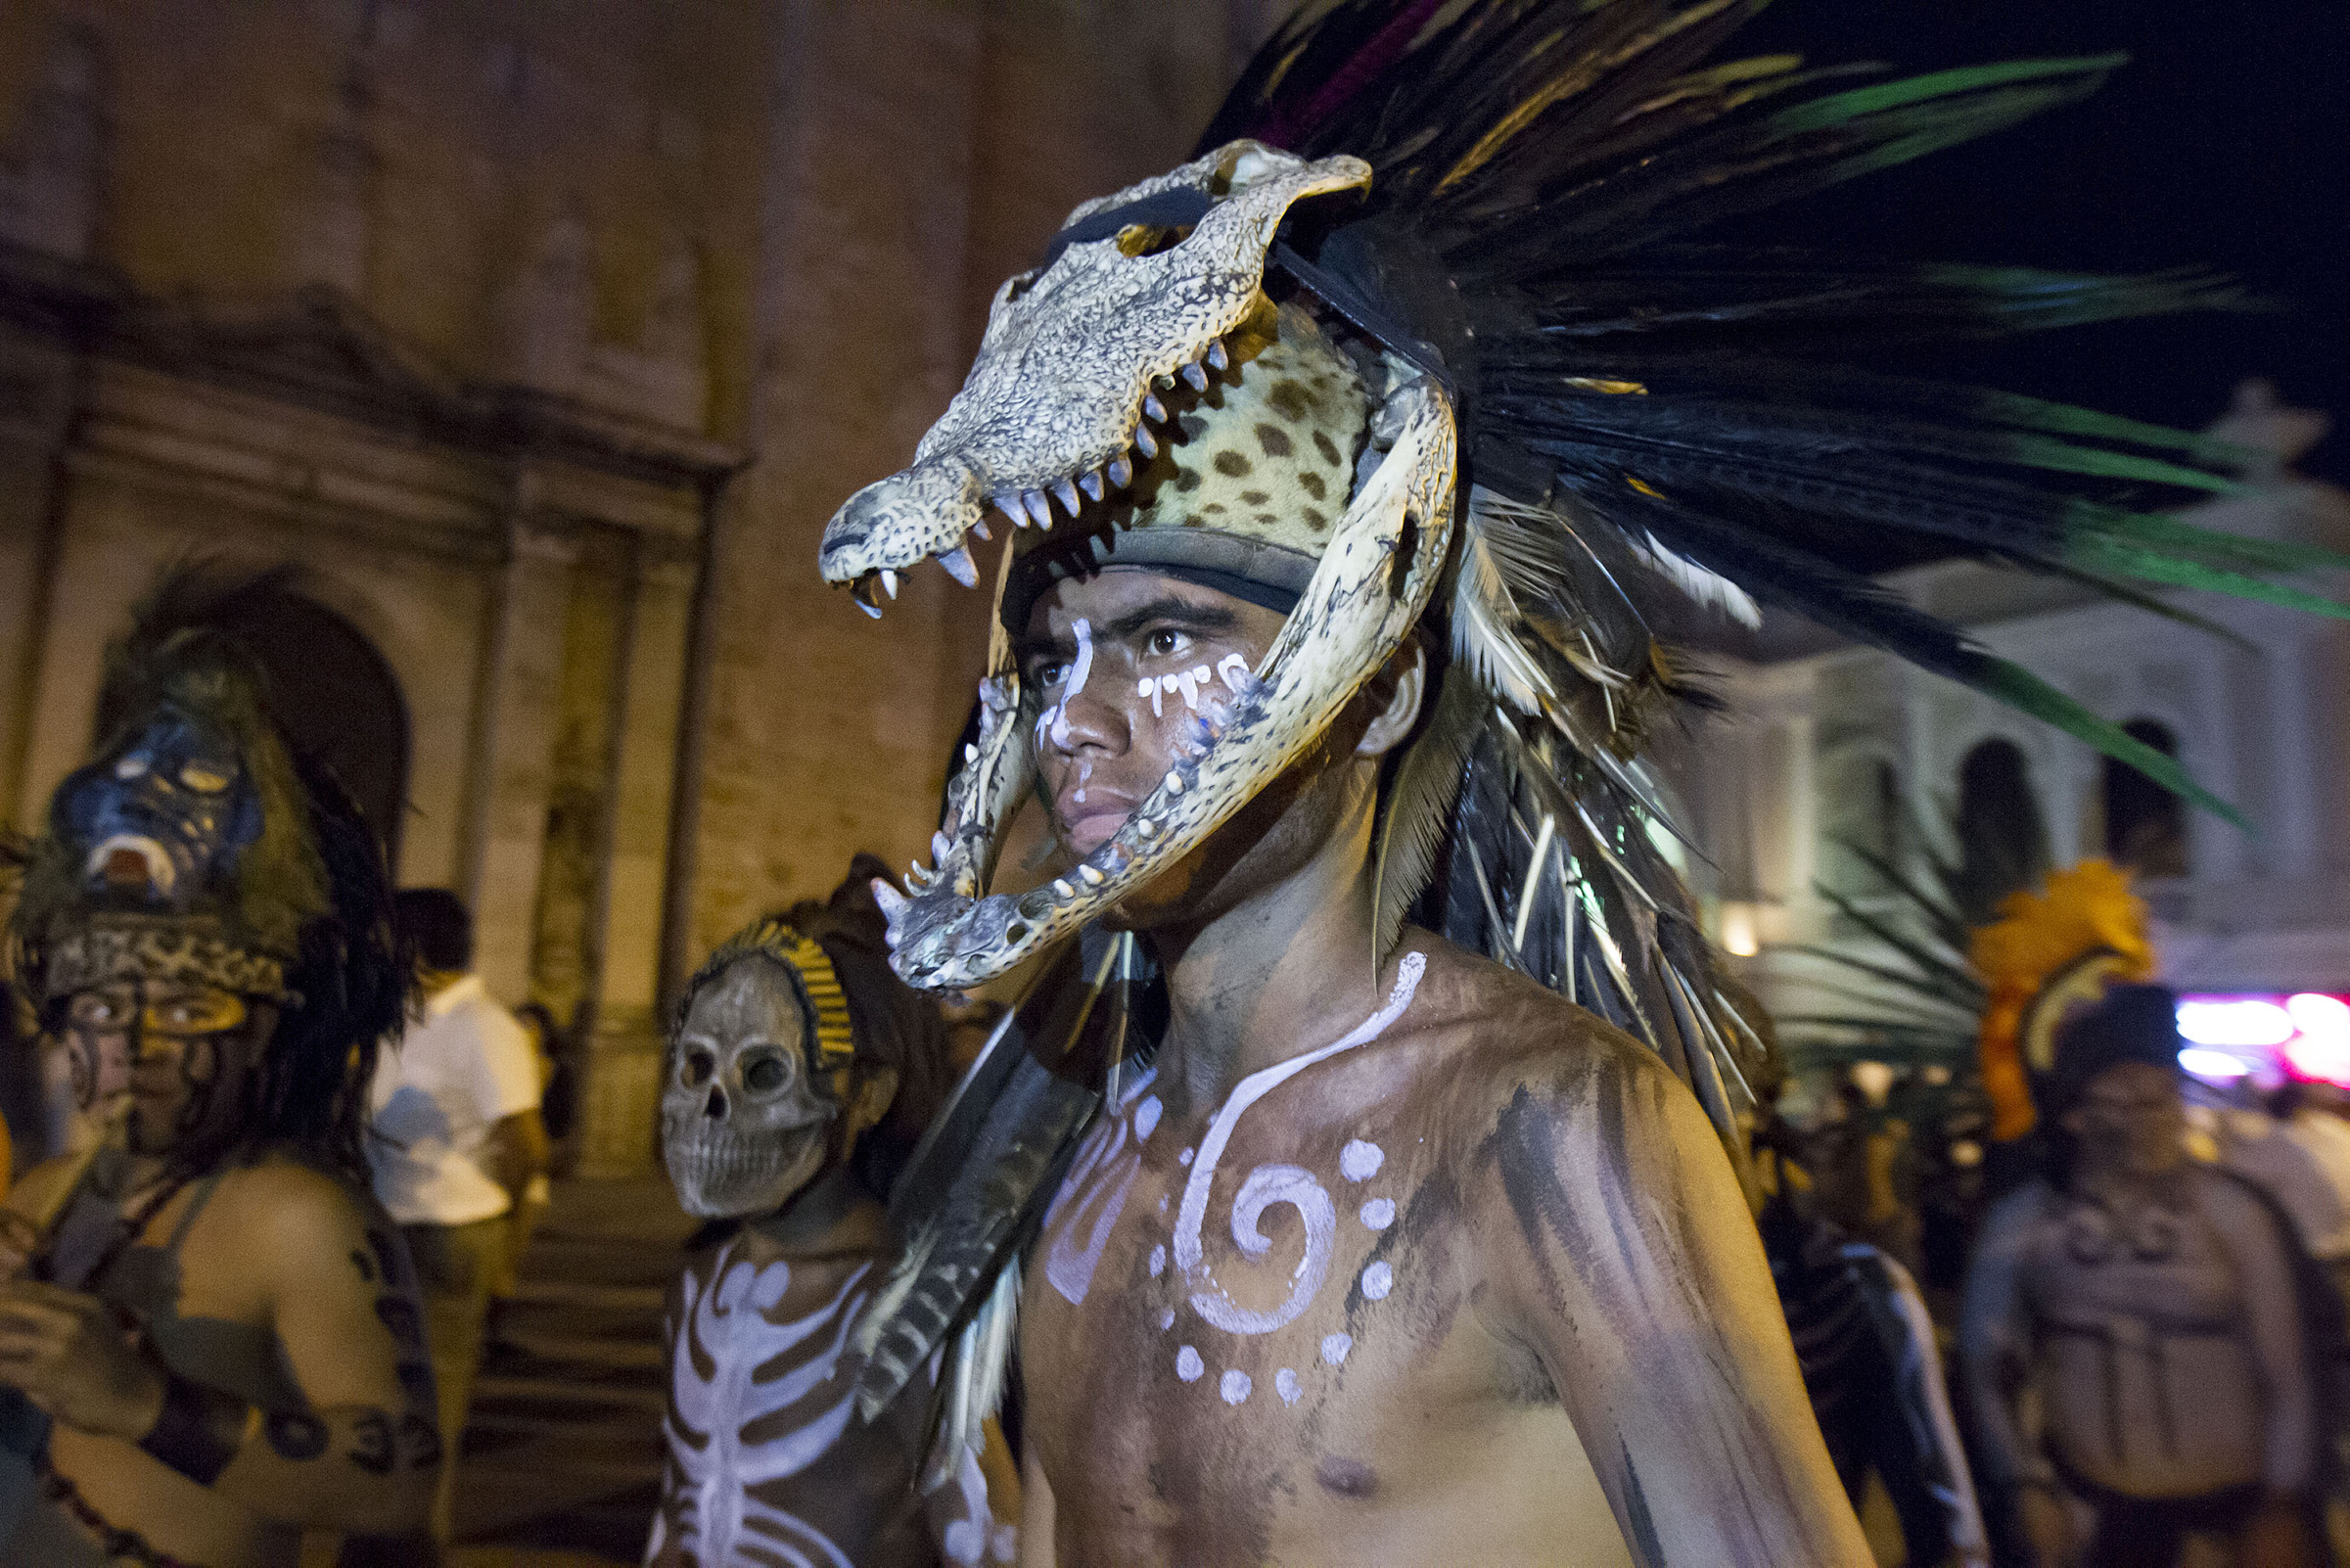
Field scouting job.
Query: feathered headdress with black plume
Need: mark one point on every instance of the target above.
(1459, 247)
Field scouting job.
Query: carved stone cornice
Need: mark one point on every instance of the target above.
(318, 349)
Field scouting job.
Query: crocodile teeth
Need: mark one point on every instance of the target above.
(940, 844)
(1217, 355)
(1174, 782)
(1063, 889)
(1145, 442)
(980, 528)
(1090, 484)
(1009, 505)
(1039, 510)
(1145, 828)
(1091, 874)
(1152, 408)
(1196, 377)
(1121, 472)
(889, 581)
(960, 567)
(1067, 492)
(872, 609)
(866, 591)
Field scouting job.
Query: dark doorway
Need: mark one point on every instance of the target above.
(340, 701)
(2003, 839)
(2145, 824)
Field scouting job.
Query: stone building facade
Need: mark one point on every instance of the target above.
(1829, 746)
(543, 339)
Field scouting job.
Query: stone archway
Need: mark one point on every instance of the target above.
(340, 701)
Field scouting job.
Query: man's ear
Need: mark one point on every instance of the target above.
(876, 1087)
(1408, 667)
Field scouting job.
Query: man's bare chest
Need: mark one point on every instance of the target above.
(1253, 1270)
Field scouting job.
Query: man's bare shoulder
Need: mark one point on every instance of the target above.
(1500, 1038)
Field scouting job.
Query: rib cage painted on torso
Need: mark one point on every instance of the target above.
(754, 1400)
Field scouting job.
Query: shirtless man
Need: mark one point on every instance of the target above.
(793, 1044)
(1363, 1258)
(1347, 470)
(216, 1322)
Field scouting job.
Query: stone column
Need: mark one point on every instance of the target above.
(514, 743)
(624, 1068)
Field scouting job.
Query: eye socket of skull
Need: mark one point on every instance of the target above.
(742, 1049)
(746, 1121)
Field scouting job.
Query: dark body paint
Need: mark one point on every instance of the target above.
(1549, 1176)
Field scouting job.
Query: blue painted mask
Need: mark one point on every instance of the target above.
(162, 817)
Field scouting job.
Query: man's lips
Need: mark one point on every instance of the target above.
(1091, 823)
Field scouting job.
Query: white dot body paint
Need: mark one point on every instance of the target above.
(1165, 1318)
(1271, 1184)
(1378, 1280)
(1234, 1386)
(1285, 1384)
(1379, 1214)
(1335, 1348)
(1188, 1365)
(1183, 1158)
(1146, 1119)
(1359, 1161)
(1083, 666)
(1157, 1261)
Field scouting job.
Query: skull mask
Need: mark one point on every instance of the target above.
(745, 1121)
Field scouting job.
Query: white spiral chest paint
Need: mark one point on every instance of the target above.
(759, 1369)
(1268, 1186)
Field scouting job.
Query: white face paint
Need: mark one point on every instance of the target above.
(763, 1372)
(1054, 720)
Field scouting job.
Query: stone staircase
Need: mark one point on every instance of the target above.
(562, 1456)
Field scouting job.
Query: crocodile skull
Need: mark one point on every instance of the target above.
(1066, 385)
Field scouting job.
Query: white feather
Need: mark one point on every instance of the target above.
(1485, 610)
(1702, 584)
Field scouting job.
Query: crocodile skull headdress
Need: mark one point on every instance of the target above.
(1582, 426)
(1089, 365)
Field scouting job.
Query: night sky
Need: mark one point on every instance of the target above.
(2221, 144)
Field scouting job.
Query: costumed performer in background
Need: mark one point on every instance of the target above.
(1355, 467)
(2156, 1311)
(215, 1322)
(800, 1072)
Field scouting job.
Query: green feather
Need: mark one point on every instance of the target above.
(2044, 451)
(2195, 542)
(2139, 599)
(2071, 419)
(1823, 114)
(2027, 693)
(2147, 565)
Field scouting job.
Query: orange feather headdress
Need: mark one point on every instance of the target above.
(2084, 931)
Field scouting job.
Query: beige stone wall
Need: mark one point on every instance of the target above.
(925, 154)
(760, 227)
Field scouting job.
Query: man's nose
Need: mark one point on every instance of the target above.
(1093, 717)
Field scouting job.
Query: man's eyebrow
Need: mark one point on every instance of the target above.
(1164, 610)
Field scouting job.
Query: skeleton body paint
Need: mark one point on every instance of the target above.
(770, 1083)
(767, 1407)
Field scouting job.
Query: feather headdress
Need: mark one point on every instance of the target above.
(1585, 414)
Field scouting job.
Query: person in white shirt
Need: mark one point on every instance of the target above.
(457, 1141)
